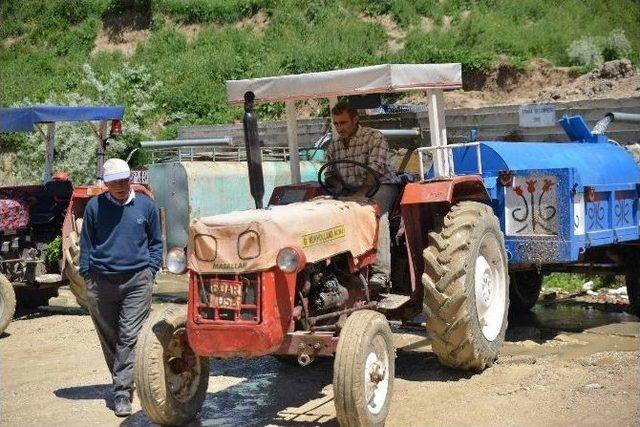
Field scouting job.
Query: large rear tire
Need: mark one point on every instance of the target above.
(466, 287)
(7, 303)
(363, 370)
(72, 266)
(524, 290)
(170, 378)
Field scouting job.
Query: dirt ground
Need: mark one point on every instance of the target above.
(563, 364)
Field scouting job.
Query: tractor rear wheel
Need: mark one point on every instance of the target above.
(7, 303)
(170, 378)
(72, 266)
(466, 287)
(524, 290)
(363, 370)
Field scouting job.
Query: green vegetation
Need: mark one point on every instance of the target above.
(573, 282)
(190, 47)
(54, 250)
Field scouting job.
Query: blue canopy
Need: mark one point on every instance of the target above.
(23, 119)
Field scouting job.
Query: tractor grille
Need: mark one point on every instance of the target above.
(226, 298)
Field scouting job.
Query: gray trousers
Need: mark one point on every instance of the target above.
(385, 197)
(119, 304)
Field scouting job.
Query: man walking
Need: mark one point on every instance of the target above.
(120, 253)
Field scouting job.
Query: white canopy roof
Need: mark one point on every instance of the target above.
(352, 81)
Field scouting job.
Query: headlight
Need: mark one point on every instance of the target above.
(176, 261)
(290, 260)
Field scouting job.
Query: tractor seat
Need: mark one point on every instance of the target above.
(51, 201)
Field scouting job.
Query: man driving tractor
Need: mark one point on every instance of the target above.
(367, 146)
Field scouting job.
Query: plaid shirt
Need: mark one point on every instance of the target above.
(366, 146)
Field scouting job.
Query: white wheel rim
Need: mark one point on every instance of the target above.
(376, 381)
(490, 288)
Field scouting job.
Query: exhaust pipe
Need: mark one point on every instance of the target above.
(254, 153)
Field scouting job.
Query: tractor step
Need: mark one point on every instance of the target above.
(49, 278)
(392, 301)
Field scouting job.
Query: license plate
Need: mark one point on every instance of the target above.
(226, 294)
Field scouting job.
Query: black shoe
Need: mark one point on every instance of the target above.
(122, 406)
(379, 279)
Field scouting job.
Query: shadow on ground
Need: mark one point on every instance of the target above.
(268, 392)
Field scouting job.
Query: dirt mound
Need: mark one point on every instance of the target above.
(541, 82)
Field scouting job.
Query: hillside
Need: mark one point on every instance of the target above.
(167, 60)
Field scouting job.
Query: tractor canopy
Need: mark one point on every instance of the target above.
(24, 119)
(30, 119)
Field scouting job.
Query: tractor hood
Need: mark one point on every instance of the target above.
(247, 241)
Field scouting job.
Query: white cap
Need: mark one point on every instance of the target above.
(115, 169)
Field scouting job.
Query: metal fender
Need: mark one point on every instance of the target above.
(463, 187)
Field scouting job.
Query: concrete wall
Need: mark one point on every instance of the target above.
(493, 123)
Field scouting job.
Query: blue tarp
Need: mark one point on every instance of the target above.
(23, 119)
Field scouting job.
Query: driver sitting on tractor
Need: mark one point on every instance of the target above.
(367, 146)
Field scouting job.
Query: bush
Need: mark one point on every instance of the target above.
(221, 11)
(616, 46)
(76, 146)
(585, 52)
(589, 51)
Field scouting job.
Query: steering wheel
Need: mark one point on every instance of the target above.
(372, 188)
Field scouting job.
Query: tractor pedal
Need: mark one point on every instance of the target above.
(392, 301)
(49, 278)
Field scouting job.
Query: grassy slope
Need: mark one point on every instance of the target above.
(45, 43)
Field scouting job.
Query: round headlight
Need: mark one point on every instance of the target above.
(176, 261)
(289, 260)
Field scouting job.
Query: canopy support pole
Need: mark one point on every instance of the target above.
(49, 142)
(102, 147)
(332, 103)
(438, 134)
(292, 136)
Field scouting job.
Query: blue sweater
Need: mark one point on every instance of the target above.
(120, 239)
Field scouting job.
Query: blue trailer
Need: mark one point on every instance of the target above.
(562, 206)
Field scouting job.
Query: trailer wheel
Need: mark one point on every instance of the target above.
(72, 266)
(466, 287)
(524, 290)
(170, 378)
(7, 303)
(363, 370)
(632, 279)
(33, 298)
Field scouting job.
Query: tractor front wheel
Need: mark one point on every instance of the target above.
(524, 290)
(466, 287)
(363, 370)
(170, 378)
(72, 266)
(7, 303)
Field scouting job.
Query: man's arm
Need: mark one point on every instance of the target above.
(329, 176)
(154, 236)
(87, 235)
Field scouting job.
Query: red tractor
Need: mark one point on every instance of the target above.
(291, 280)
(33, 216)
